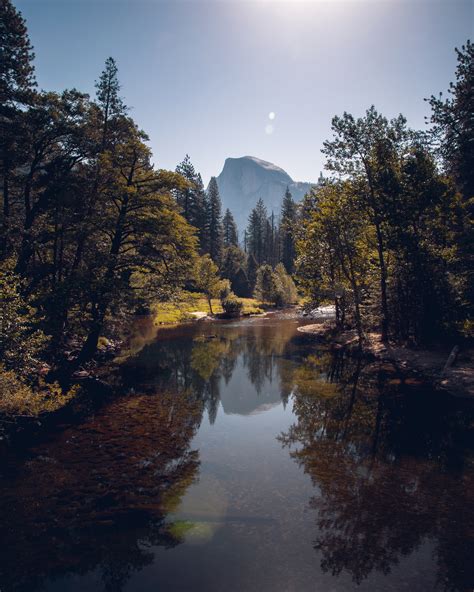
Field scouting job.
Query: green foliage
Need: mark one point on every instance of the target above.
(256, 232)
(335, 251)
(229, 230)
(16, 67)
(453, 132)
(287, 232)
(207, 280)
(454, 124)
(241, 284)
(384, 243)
(275, 286)
(231, 305)
(92, 227)
(286, 292)
(18, 398)
(193, 202)
(214, 222)
(21, 340)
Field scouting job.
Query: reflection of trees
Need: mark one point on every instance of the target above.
(199, 358)
(387, 460)
(97, 497)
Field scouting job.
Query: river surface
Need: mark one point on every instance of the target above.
(240, 457)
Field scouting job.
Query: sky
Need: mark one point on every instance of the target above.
(229, 78)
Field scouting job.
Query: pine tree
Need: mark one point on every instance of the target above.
(454, 128)
(16, 88)
(287, 232)
(193, 202)
(230, 233)
(108, 98)
(241, 285)
(184, 197)
(215, 221)
(269, 241)
(257, 232)
(16, 59)
(252, 267)
(200, 215)
(454, 122)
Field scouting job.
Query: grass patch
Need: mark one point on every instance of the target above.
(182, 309)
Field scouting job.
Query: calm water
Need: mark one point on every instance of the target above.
(242, 458)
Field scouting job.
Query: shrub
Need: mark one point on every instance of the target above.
(18, 398)
(232, 305)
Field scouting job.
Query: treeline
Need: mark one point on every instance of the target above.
(89, 227)
(389, 237)
(263, 265)
(90, 230)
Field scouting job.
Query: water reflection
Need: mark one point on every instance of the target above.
(97, 499)
(390, 463)
(207, 360)
(194, 459)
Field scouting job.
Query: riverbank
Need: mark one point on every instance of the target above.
(194, 306)
(431, 364)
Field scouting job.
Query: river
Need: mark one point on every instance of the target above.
(242, 457)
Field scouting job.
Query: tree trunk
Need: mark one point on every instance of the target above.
(383, 285)
(6, 212)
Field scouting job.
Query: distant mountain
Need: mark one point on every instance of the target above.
(246, 179)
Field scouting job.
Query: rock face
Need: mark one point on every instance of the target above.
(246, 179)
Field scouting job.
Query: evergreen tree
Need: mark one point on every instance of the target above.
(16, 90)
(241, 285)
(454, 130)
(454, 122)
(200, 215)
(232, 260)
(16, 59)
(193, 202)
(215, 221)
(252, 267)
(185, 197)
(357, 150)
(230, 233)
(287, 232)
(108, 98)
(270, 241)
(265, 285)
(104, 132)
(257, 232)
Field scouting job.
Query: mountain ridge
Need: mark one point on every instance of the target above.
(245, 179)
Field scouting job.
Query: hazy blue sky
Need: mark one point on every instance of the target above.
(203, 77)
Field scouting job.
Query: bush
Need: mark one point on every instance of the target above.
(18, 398)
(232, 305)
(22, 343)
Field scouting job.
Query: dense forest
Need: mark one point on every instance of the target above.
(92, 232)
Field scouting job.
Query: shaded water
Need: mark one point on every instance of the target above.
(242, 458)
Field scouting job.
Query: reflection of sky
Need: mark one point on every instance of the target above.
(247, 521)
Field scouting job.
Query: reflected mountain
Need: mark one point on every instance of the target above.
(146, 494)
(242, 370)
(387, 458)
